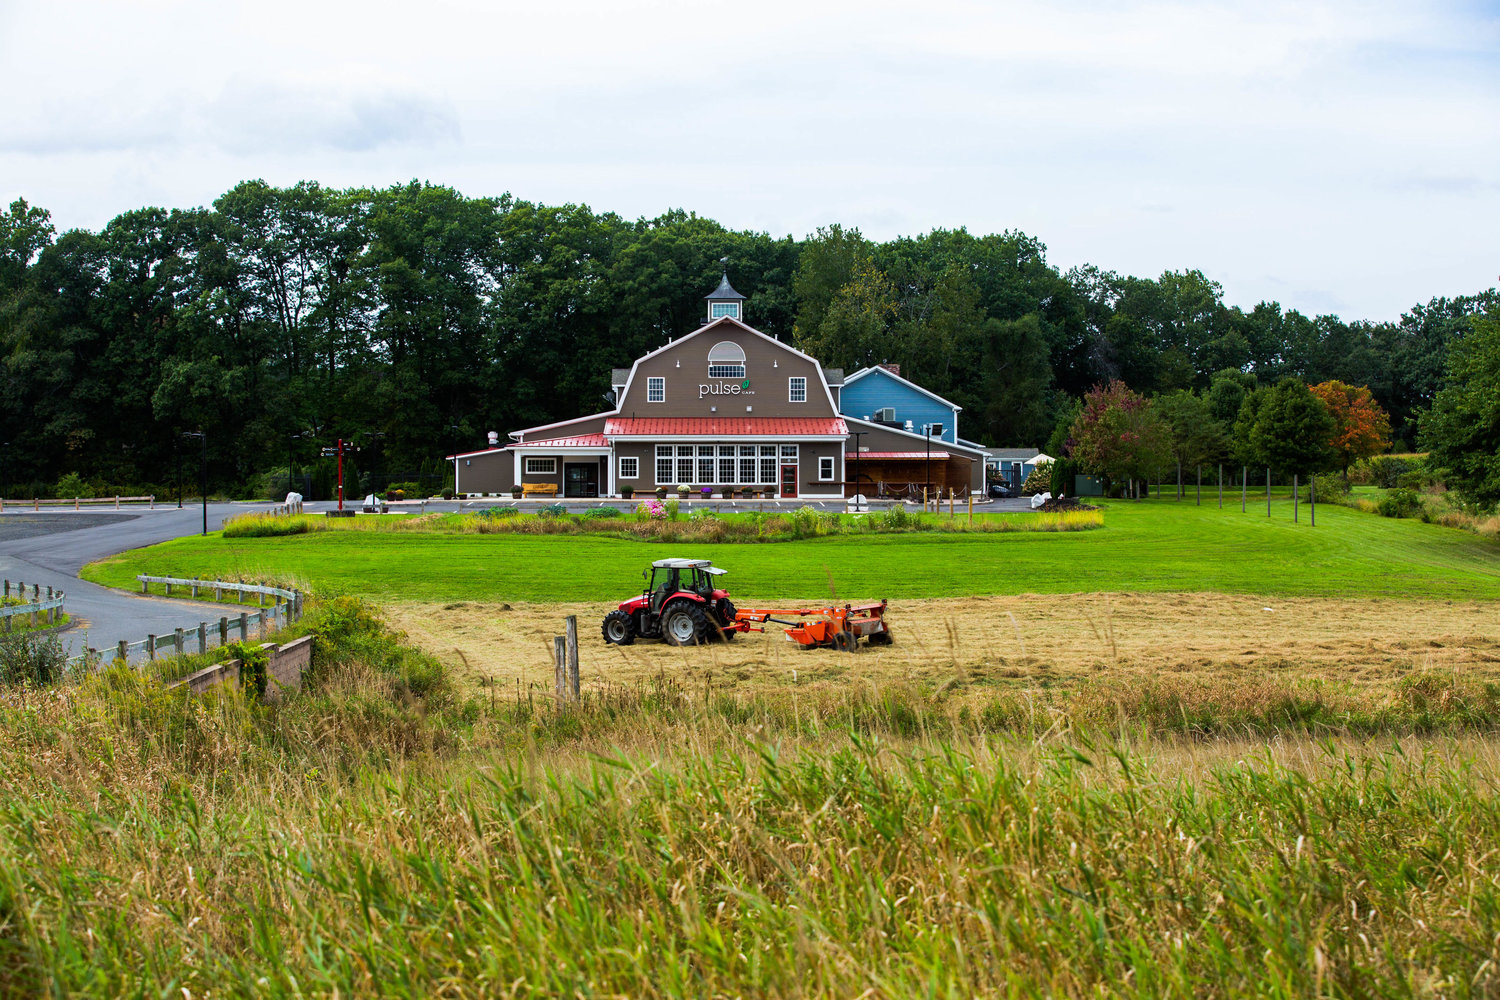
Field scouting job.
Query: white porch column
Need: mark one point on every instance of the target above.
(609, 473)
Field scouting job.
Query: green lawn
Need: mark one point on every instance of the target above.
(1144, 546)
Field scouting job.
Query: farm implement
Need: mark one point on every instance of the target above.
(682, 606)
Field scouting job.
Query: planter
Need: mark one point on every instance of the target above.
(727, 493)
(626, 493)
(661, 493)
(515, 494)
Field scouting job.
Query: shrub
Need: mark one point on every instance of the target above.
(32, 659)
(72, 485)
(500, 513)
(551, 510)
(1411, 480)
(653, 510)
(597, 513)
(1040, 480)
(400, 491)
(271, 526)
(1399, 503)
(671, 508)
(898, 518)
(1385, 471)
(1331, 488)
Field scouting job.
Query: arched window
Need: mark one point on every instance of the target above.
(726, 360)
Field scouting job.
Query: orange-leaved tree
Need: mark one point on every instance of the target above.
(1360, 427)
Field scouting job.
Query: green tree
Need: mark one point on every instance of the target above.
(1196, 437)
(1119, 435)
(1287, 428)
(1462, 431)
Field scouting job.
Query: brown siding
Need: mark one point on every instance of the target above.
(768, 365)
(492, 472)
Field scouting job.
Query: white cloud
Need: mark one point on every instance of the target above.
(1312, 152)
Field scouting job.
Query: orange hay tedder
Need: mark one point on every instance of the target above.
(682, 605)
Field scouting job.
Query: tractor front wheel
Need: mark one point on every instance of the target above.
(683, 624)
(619, 628)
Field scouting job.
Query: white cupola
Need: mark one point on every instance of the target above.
(724, 300)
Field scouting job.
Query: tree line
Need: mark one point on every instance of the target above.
(411, 320)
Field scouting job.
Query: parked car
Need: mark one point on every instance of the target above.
(1000, 491)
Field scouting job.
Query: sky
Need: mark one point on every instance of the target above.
(1336, 157)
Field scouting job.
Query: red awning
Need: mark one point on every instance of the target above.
(851, 456)
(581, 441)
(726, 426)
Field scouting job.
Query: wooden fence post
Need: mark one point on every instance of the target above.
(122, 651)
(559, 667)
(572, 637)
(203, 637)
(244, 627)
(150, 646)
(1296, 497)
(177, 641)
(223, 631)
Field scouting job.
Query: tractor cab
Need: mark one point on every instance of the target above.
(680, 604)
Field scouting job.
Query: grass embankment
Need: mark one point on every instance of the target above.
(381, 835)
(1148, 546)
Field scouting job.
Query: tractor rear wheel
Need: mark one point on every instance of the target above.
(619, 628)
(683, 624)
(726, 615)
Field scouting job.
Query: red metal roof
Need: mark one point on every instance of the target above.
(725, 426)
(580, 441)
(897, 454)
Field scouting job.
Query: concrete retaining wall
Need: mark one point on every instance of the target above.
(284, 669)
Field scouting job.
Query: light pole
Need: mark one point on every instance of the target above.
(201, 436)
(927, 471)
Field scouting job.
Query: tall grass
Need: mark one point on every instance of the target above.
(382, 835)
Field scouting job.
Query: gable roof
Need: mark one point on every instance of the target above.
(718, 325)
(887, 428)
(903, 381)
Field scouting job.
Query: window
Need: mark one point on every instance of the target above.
(705, 463)
(796, 390)
(684, 463)
(630, 467)
(726, 463)
(541, 466)
(768, 463)
(656, 390)
(825, 468)
(726, 360)
(747, 463)
(718, 310)
(663, 464)
(789, 451)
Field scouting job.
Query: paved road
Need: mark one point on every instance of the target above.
(50, 547)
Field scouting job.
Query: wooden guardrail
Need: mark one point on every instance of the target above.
(51, 605)
(285, 604)
(78, 503)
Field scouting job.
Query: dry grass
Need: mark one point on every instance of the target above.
(1235, 647)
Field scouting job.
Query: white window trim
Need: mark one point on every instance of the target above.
(541, 466)
(828, 478)
(635, 466)
(732, 310)
(790, 383)
(650, 380)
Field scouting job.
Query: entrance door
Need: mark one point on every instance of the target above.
(581, 480)
(789, 481)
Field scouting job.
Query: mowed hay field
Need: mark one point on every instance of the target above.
(1232, 647)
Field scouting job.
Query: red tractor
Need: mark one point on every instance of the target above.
(680, 605)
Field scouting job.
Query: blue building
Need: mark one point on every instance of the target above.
(881, 395)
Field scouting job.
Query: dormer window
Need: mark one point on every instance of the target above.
(719, 310)
(726, 359)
